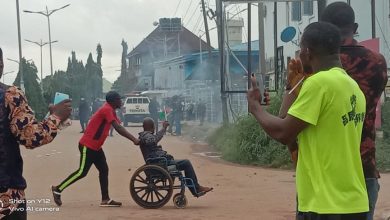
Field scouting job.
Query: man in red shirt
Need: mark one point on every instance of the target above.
(91, 152)
(369, 70)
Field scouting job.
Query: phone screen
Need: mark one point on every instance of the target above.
(261, 87)
(59, 97)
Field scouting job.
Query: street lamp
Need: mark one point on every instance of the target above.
(47, 13)
(6, 74)
(40, 44)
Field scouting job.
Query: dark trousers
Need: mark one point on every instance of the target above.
(87, 158)
(189, 172)
(155, 119)
(19, 214)
(315, 216)
(83, 123)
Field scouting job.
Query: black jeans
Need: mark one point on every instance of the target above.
(315, 216)
(83, 123)
(189, 172)
(87, 158)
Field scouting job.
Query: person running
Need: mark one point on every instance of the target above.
(91, 152)
(369, 70)
(327, 120)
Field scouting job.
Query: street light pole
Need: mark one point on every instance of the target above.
(47, 13)
(40, 44)
(20, 47)
(51, 56)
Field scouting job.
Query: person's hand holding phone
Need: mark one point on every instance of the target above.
(165, 124)
(254, 95)
(62, 110)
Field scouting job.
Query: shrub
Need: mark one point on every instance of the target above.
(382, 144)
(245, 142)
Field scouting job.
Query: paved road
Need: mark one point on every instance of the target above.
(240, 192)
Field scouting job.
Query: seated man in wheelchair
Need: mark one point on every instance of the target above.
(150, 149)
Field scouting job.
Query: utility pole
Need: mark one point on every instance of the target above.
(276, 45)
(20, 47)
(249, 67)
(373, 15)
(261, 39)
(206, 29)
(221, 45)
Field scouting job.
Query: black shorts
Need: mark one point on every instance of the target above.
(316, 216)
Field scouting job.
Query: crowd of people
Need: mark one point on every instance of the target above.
(327, 122)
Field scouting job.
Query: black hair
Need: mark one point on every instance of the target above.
(340, 14)
(1, 53)
(322, 38)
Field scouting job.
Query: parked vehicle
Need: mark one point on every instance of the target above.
(136, 108)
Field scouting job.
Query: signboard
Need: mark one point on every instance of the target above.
(170, 24)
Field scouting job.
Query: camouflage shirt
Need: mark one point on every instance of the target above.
(369, 70)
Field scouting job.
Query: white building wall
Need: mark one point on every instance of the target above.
(362, 10)
(169, 77)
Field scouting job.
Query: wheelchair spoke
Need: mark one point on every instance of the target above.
(158, 195)
(147, 196)
(142, 197)
(140, 188)
(141, 180)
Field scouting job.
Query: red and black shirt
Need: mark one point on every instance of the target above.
(99, 127)
(369, 70)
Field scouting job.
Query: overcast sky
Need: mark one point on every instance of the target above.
(84, 24)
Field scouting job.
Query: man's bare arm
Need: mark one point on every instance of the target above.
(283, 130)
(122, 131)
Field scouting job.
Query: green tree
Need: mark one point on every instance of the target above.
(59, 82)
(94, 82)
(127, 80)
(32, 88)
(77, 78)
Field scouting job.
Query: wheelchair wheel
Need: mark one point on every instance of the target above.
(151, 186)
(180, 201)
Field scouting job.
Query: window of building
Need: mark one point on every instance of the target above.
(296, 14)
(308, 7)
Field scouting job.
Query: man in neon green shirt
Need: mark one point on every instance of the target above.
(327, 119)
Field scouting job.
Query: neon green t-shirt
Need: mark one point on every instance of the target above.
(329, 172)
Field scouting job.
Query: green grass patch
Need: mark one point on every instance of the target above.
(245, 142)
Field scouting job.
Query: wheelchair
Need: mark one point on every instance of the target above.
(152, 185)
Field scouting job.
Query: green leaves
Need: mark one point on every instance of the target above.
(245, 142)
(32, 88)
(78, 80)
